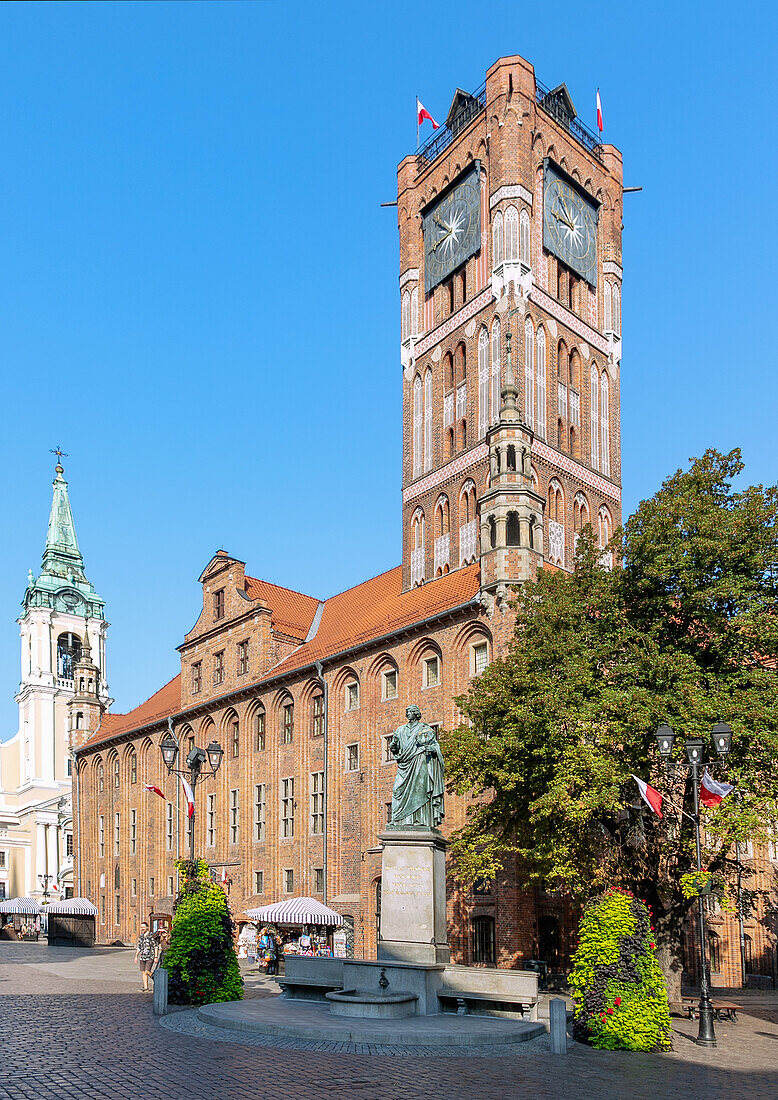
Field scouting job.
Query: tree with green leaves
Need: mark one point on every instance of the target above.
(684, 631)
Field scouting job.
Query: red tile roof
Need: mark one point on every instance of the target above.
(377, 607)
(350, 619)
(291, 612)
(162, 703)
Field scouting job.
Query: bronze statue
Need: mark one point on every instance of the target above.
(417, 795)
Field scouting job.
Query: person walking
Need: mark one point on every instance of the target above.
(145, 954)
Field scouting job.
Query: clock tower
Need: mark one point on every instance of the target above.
(510, 291)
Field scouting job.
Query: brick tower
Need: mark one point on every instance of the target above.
(510, 225)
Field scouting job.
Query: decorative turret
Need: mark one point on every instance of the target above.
(511, 509)
(85, 708)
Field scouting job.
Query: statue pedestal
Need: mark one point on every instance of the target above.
(413, 896)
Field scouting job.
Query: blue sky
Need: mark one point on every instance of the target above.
(198, 287)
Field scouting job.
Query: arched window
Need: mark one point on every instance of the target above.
(116, 772)
(497, 240)
(405, 317)
(483, 381)
(448, 370)
(556, 523)
(594, 416)
(714, 950)
(68, 653)
(100, 778)
(428, 420)
(617, 309)
(287, 722)
(460, 363)
(511, 235)
(605, 527)
(605, 429)
(512, 530)
(492, 532)
(259, 731)
(415, 311)
(529, 373)
(541, 383)
(133, 767)
(468, 525)
(235, 737)
(580, 512)
(510, 458)
(418, 424)
(317, 714)
(417, 547)
(496, 370)
(525, 239)
(442, 516)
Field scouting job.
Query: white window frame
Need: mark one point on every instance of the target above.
(540, 379)
(235, 815)
(260, 811)
(433, 659)
(386, 675)
(211, 822)
(287, 808)
(317, 803)
(529, 372)
(496, 343)
(352, 695)
(418, 425)
(484, 411)
(474, 657)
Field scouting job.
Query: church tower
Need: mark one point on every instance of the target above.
(60, 667)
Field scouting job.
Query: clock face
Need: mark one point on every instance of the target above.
(570, 225)
(452, 229)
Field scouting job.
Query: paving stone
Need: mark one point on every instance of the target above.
(74, 1026)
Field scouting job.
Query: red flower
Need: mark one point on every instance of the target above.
(610, 1011)
(617, 1001)
(652, 928)
(652, 945)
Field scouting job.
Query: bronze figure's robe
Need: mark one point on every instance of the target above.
(417, 796)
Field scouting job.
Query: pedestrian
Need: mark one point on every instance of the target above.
(145, 954)
(163, 942)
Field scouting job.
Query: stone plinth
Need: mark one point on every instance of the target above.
(413, 896)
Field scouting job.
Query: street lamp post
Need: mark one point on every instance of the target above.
(193, 772)
(44, 881)
(721, 736)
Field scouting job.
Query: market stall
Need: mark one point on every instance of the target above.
(20, 919)
(71, 923)
(302, 925)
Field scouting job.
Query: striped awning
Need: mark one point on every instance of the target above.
(297, 911)
(74, 907)
(27, 907)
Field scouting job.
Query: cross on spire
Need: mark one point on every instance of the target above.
(59, 453)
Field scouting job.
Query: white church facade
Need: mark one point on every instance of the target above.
(61, 622)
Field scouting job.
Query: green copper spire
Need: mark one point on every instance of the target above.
(62, 554)
(62, 584)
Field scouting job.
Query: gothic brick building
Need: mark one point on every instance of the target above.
(510, 310)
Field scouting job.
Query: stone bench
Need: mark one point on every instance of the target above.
(489, 992)
(307, 978)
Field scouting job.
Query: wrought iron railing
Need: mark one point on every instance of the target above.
(581, 133)
(442, 138)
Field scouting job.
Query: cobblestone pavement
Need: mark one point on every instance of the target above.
(72, 1025)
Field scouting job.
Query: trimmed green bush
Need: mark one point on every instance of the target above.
(619, 991)
(201, 962)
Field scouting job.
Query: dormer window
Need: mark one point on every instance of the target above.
(218, 604)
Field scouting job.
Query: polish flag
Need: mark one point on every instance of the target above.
(711, 791)
(649, 795)
(54, 886)
(599, 111)
(224, 874)
(153, 789)
(423, 113)
(189, 796)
